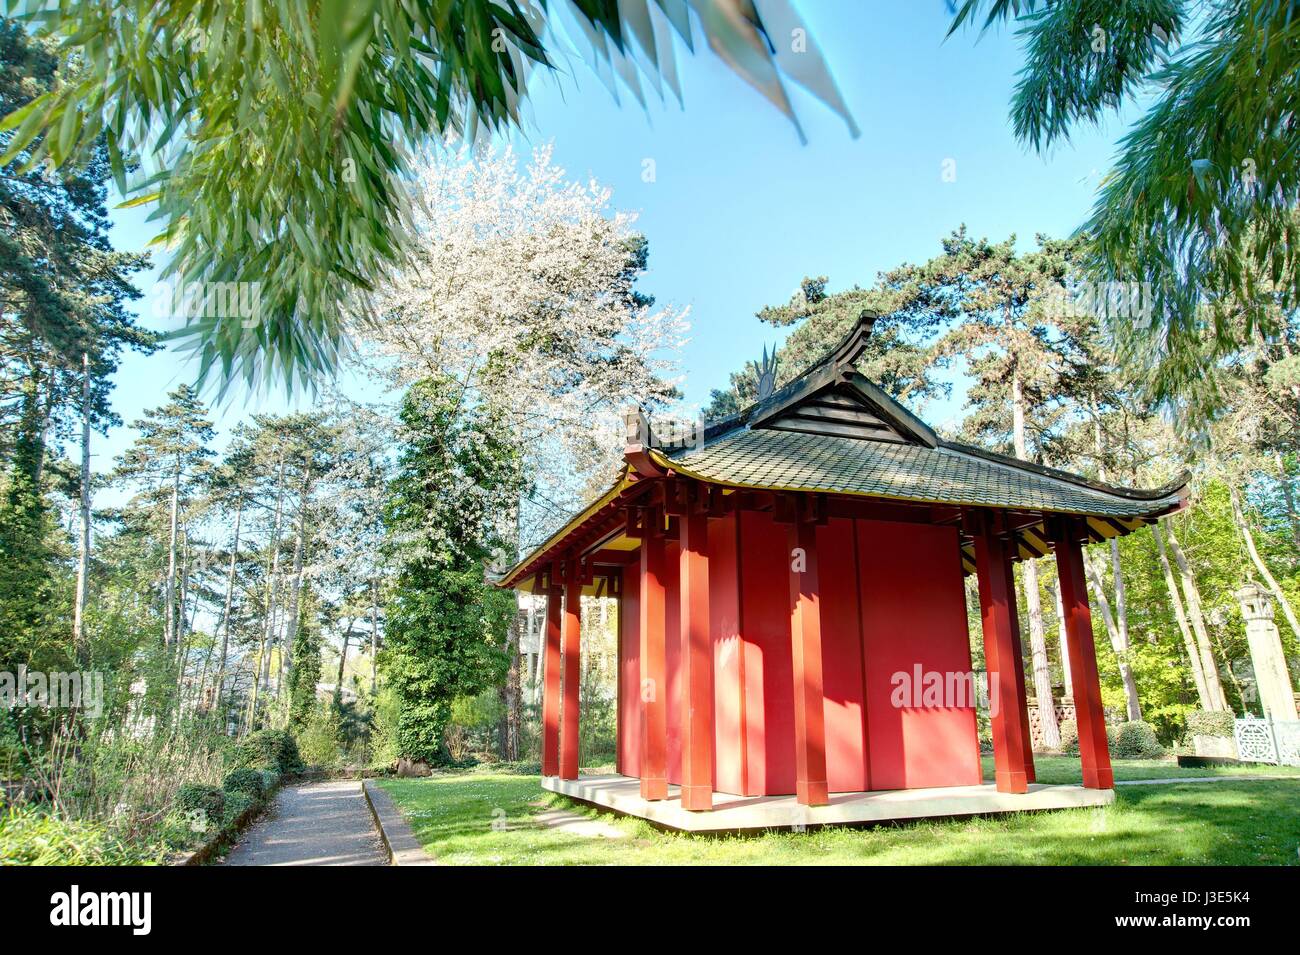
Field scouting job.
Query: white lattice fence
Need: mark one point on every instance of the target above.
(1286, 735)
(1255, 743)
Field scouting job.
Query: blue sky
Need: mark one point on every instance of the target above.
(739, 210)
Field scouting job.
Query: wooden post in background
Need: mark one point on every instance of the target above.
(991, 566)
(1021, 696)
(1094, 752)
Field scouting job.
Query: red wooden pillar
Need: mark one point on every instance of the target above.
(1094, 753)
(806, 641)
(696, 665)
(572, 672)
(654, 677)
(1021, 695)
(991, 565)
(551, 682)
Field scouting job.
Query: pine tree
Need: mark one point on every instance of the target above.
(170, 458)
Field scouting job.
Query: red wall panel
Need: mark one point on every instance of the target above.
(769, 689)
(842, 673)
(913, 612)
(724, 624)
(891, 598)
(629, 674)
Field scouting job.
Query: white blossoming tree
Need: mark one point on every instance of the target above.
(521, 290)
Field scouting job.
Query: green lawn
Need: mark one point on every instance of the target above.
(1065, 769)
(481, 818)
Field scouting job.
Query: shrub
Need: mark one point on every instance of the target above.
(318, 738)
(527, 767)
(237, 803)
(1210, 723)
(267, 749)
(1069, 738)
(472, 729)
(270, 781)
(29, 836)
(210, 800)
(1137, 740)
(245, 782)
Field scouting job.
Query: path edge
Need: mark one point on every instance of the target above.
(394, 831)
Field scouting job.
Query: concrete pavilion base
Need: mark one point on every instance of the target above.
(737, 813)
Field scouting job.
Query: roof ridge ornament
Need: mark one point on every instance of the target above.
(766, 367)
(852, 345)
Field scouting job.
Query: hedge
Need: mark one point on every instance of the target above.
(1210, 723)
(248, 781)
(1137, 740)
(267, 749)
(210, 800)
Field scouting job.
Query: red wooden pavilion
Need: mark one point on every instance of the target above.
(779, 581)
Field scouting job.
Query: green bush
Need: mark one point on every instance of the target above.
(247, 782)
(472, 729)
(267, 749)
(31, 837)
(1210, 723)
(1137, 740)
(318, 739)
(270, 781)
(1069, 738)
(210, 800)
(237, 803)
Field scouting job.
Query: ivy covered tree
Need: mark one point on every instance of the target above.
(446, 627)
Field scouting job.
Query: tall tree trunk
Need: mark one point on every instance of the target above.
(374, 636)
(1118, 639)
(1189, 643)
(42, 443)
(1033, 603)
(509, 728)
(262, 678)
(1121, 593)
(181, 632)
(1227, 665)
(1243, 528)
(343, 659)
(83, 555)
(230, 596)
(295, 599)
(1066, 675)
(1289, 497)
(169, 590)
(1192, 594)
(187, 626)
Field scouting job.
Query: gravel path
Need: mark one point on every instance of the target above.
(325, 823)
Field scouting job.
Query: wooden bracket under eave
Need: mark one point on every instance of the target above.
(638, 459)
